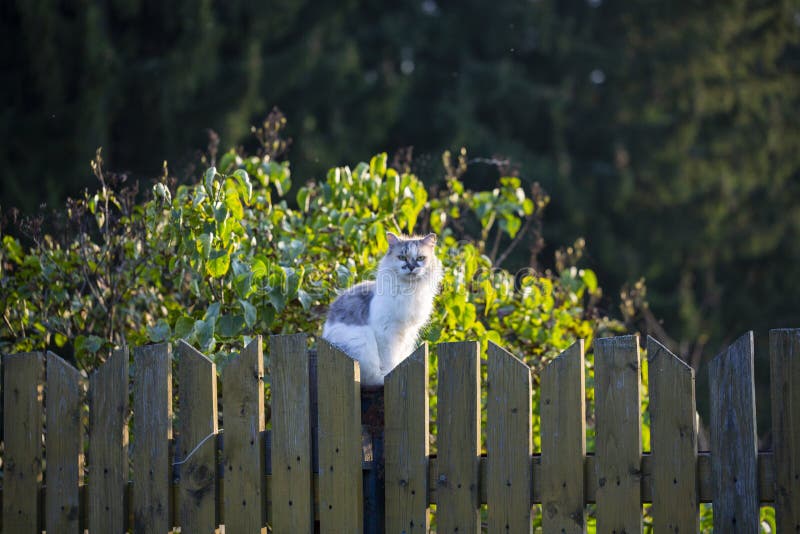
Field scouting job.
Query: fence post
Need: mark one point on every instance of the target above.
(734, 451)
(785, 375)
(407, 445)
(63, 445)
(673, 441)
(152, 430)
(242, 453)
(508, 442)
(340, 475)
(459, 426)
(619, 434)
(108, 444)
(23, 441)
(563, 429)
(195, 451)
(291, 487)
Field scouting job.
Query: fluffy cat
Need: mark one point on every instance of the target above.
(378, 322)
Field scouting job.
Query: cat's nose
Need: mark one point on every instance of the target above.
(411, 268)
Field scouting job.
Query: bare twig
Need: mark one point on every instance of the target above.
(515, 241)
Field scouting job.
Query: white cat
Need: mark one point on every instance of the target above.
(378, 322)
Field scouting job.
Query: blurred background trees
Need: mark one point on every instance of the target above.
(666, 134)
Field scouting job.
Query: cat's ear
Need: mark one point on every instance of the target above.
(429, 239)
(392, 239)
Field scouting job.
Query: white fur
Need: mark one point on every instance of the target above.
(401, 306)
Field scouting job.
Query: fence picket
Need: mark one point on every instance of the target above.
(22, 462)
(508, 442)
(63, 445)
(563, 428)
(152, 430)
(197, 474)
(340, 475)
(673, 438)
(458, 422)
(785, 376)
(108, 444)
(291, 485)
(619, 435)
(406, 448)
(734, 445)
(243, 458)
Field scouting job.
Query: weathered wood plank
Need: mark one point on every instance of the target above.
(785, 377)
(563, 428)
(23, 389)
(673, 438)
(195, 456)
(619, 434)
(292, 492)
(243, 420)
(152, 430)
(459, 437)
(340, 475)
(734, 444)
(108, 444)
(508, 442)
(406, 447)
(63, 445)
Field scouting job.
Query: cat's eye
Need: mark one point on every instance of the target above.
(421, 258)
(402, 257)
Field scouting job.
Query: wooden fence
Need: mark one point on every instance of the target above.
(309, 471)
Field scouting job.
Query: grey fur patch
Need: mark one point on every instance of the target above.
(352, 306)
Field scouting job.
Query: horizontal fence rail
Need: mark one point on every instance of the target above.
(330, 464)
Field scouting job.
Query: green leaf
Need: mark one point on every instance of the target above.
(203, 244)
(204, 333)
(209, 180)
(183, 327)
(13, 249)
(159, 332)
(218, 263)
(377, 165)
(305, 299)
(250, 313)
(232, 200)
(246, 186)
(212, 312)
(227, 160)
(229, 325)
(590, 279)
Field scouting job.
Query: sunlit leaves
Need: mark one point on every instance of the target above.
(231, 257)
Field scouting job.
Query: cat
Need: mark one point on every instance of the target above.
(378, 322)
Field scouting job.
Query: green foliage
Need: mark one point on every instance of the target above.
(232, 255)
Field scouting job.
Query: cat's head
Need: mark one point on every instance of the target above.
(411, 258)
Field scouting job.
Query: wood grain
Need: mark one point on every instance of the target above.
(22, 461)
(733, 438)
(673, 438)
(152, 430)
(459, 432)
(406, 447)
(619, 435)
(340, 475)
(785, 377)
(242, 457)
(63, 445)
(508, 442)
(108, 444)
(292, 494)
(563, 427)
(197, 420)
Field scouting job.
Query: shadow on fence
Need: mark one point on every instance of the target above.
(339, 459)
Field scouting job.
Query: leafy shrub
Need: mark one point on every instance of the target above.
(232, 256)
